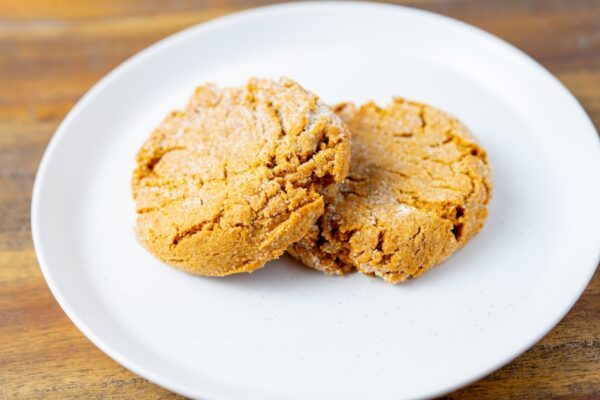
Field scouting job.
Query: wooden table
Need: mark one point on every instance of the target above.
(51, 53)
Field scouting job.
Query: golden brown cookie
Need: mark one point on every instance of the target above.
(231, 181)
(416, 192)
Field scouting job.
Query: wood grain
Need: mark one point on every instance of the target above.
(51, 52)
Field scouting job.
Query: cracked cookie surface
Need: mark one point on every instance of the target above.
(417, 190)
(231, 181)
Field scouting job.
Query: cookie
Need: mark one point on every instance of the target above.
(417, 190)
(231, 181)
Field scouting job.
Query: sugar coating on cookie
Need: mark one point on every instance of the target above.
(417, 190)
(231, 181)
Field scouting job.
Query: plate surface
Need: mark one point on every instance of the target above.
(287, 332)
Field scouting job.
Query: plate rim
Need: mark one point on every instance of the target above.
(232, 19)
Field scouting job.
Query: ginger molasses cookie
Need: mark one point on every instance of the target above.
(231, 181)
(417, 191)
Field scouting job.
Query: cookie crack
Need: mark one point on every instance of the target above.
(194, 229)
(150, 164)
(394, 172)
(348, 192)
(276, 113)
(356, 179)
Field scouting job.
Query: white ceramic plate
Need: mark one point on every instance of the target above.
(287, 332)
